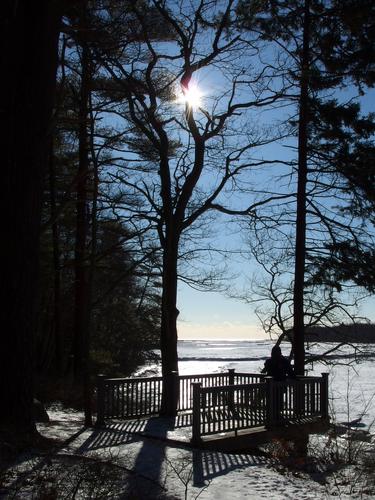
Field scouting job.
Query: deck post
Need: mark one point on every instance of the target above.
(231, 393)
(270, 393)
(324, 397)
(100, 400)
(299, 404)
(196, 430)
(173, 382)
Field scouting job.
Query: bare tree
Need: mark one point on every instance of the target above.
(184, 157)
(308, 36)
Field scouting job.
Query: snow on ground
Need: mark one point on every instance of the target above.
(95, 463)
(184, 472)
(119, 458)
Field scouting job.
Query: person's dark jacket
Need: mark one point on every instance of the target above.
(279, 368)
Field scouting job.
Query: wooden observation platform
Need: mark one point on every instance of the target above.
(219, 405)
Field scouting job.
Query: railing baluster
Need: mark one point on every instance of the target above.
(122, 399)
(187, 394)
(152, 396)
(155, 391)
(128, 399)
(196, 430)
(113, 400)
(132, 400)
(149, 398)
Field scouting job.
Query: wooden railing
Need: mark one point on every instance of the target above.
(212, 380)
(232, 407)
(127, 398)
(220, 402)
(138, 397)
(293, 400)
(244, 406)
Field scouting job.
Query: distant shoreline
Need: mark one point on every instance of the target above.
(357, 333)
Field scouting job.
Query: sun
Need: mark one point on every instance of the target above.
(191, 96)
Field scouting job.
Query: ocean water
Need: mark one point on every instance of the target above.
(351, 370)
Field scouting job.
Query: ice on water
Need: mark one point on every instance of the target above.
(351, 378)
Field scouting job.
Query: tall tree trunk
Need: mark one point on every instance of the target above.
(28, 52)
(170, 243)
(300, 244)
(91, 273)
(81, 274)
(169, 313)
(58, 343)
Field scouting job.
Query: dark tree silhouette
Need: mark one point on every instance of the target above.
(323, 50)
(29, 39)
(76, 328)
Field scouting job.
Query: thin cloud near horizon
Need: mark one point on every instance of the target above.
(223, 330)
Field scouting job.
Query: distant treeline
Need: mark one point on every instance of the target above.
(358, 332)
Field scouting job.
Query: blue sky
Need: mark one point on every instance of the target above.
(212, 315)
(204, 314)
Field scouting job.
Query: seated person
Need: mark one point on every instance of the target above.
(278, 367)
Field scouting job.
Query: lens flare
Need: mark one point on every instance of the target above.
(191, 96)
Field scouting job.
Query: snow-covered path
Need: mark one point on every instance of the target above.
(181, 469)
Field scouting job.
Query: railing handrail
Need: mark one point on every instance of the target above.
(231, 387)
(203, 375)
(213, 375)
(219, 374)
(185, 377)
(131, 379)
(308, 377)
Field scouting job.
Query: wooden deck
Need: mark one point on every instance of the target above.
(178, 432)
(219, 407)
